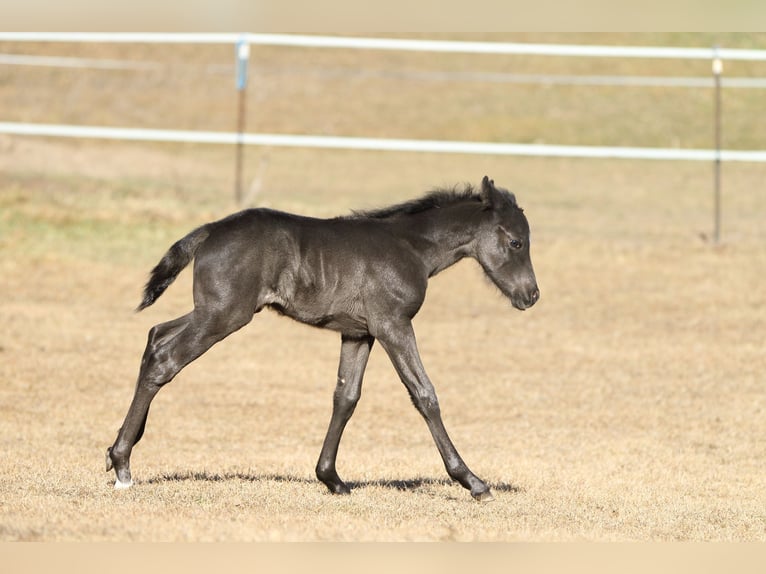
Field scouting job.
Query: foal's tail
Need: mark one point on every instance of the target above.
(171, 264)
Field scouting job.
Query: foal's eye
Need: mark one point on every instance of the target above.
(515, 244)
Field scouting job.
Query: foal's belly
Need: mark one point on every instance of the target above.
(343, 322)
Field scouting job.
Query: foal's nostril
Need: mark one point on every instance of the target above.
(535, 295)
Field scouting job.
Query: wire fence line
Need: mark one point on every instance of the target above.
(83, 63)
(429, 76)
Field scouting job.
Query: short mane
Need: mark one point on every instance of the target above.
(433, 200)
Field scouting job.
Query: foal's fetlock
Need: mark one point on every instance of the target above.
(109, 463)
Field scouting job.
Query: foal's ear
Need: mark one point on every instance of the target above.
(488, 192)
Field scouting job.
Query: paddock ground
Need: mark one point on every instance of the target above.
(628, 404)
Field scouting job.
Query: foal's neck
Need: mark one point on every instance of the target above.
(442, 236)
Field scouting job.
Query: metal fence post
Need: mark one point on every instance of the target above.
(717, 70)
(243, 57)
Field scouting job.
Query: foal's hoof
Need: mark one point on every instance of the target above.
(485, 496)
(109, 463)
(119, 485)
(340, 489)
(332, 481)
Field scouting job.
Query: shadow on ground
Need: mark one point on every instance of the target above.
(410, 484)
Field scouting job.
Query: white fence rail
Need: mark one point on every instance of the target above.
(379, 144)
(305, 41)
(543, 150)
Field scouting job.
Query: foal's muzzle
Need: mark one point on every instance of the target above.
(526, 300)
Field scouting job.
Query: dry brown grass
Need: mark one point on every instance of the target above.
(627, 405)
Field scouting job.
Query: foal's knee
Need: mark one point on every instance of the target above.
(346, 397)
(426, 403)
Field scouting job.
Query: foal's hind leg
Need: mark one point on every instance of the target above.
(353, 360)
(171, 346)
(132, 429)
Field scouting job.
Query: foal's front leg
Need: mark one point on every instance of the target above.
(353, 360)
(399, 342)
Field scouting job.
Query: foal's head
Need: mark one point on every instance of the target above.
(502, 246)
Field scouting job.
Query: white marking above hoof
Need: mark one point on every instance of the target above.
(119, 485)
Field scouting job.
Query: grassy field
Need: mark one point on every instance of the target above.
(628, 404)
